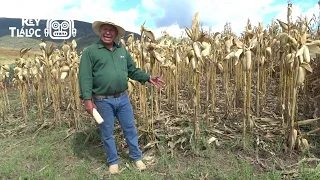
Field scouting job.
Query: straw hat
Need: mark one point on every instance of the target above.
(96, 26)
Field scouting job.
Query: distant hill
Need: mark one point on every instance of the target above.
(21, 42)
(84, 37)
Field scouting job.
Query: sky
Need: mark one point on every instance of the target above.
(159, 15)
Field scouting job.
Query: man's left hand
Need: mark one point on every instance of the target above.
(156, 81)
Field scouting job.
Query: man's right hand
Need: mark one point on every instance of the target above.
(89, 105)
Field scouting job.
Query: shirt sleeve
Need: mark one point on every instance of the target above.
(85, 75)
(135, 73)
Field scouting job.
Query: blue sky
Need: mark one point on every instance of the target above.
(169, 15)
(305, 6)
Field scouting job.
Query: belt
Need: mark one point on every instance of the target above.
(96, 96)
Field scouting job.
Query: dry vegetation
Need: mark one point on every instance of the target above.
(262, 87)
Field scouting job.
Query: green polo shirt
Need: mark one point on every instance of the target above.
(106, 72)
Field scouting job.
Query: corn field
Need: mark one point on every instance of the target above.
(262, 83)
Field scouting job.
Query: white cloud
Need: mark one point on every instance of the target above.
(169, 15)
(173, 30)
(212, 13)
(147, 4)
(296, 12)
(34, 8)
(215, 13)
(235, 12)
(85, 10)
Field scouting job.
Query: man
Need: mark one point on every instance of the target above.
(103, 73)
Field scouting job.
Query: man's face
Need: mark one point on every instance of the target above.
(108, 33)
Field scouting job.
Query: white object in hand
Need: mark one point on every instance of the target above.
(97, 116)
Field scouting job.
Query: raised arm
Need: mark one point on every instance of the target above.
(134, 72)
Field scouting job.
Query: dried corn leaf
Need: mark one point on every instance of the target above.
(306, 66)
(303, 39)
(50, 49)
(228, 44)
(230, 55)
(207, 49)
(63, 75)
(306, 54)
(238, 53)
(283, 38)
(313, 48)
(189, 33)
(290, 58)
(301, 76)
(195, 27)
(300, 51)
(293, 138)
(149, 34)
(283, 25)
(5, 67)
(23, 51)
(305, 144)
(197, 51)
(268, 51)
(237, 43)
(253, 42)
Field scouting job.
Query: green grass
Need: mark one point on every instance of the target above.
(53, 154)
(49, 156)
